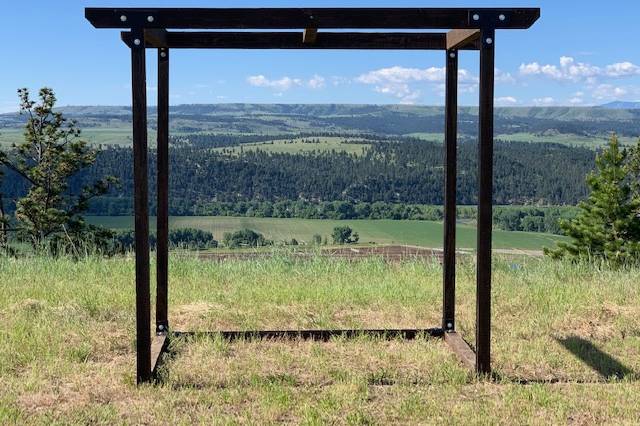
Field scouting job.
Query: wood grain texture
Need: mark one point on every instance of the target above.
(461, 348)
(457, 38)
(158, 346)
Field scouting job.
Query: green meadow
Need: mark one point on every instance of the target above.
(421, 233)
(565, 348)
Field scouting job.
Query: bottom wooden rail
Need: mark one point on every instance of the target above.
(461, 348)
(454, 340)
(158, 347)
(322, 335)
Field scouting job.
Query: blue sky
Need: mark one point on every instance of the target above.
(579, 53)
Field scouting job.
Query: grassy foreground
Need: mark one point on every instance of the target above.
(566, 345)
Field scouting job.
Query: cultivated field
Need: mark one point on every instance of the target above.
(566, 345)
(421, 233)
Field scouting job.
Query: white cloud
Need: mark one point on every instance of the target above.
(622, 69)
(577, 98)
(503, 77)
(570, 70)
(545, 101)
(282, 84)
(608, 91)
(506, 100)
(316, 82)
(398, 81)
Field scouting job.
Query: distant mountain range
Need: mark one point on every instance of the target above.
(546, 122)
(621, 105)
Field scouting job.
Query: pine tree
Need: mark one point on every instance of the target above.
(608, 224)
(52, 152)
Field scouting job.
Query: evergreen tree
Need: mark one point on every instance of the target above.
(52, 153)
(608, 224)
(4, 218)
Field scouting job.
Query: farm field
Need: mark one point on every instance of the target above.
(421, 233)
(566, 345)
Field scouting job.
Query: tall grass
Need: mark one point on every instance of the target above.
(67, 331)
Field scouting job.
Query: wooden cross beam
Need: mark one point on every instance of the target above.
(458, 38)
(301, 18)
(292, 40)
(309, 36)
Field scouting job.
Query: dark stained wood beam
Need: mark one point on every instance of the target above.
(141, 209)
(294, 40)
(309, 35)
(457, 38)
(461, 348)
(162, 223)
(450, 178)
(299, 18)
(156, 37)
(320, 335)
(485, 203)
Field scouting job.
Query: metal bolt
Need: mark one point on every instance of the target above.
(476, 17)
(136, 42)
(452, 54)
(150, 18)
(489, 40)
(123, 18)
(449, 325)
(164, 55)
(161, 327)
(502, 17)
(311, 17)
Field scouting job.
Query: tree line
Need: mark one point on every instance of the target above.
(410, 172)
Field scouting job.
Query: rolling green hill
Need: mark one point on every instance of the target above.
(569, 125)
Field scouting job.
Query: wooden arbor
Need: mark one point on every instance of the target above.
(471, 29)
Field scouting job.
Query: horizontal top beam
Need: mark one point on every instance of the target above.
(299, 18)
(295, 40)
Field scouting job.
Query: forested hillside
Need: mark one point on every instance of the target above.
(404, 171)
(226, 155)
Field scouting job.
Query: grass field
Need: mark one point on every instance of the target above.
(566, 345)
(561, 138)
(96, 136)
(295, 145)
(422, 233)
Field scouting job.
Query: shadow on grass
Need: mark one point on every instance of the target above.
(604, 364)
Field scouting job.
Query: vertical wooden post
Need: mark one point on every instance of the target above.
(141, 206)
(162, 250)
(485, 196)
(450, 168)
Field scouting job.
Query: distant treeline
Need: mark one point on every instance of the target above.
(409, 172)
(391, 171)
(508, 218)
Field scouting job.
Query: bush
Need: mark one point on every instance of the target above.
(344, 235)
(185, 238)
(245, 238)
